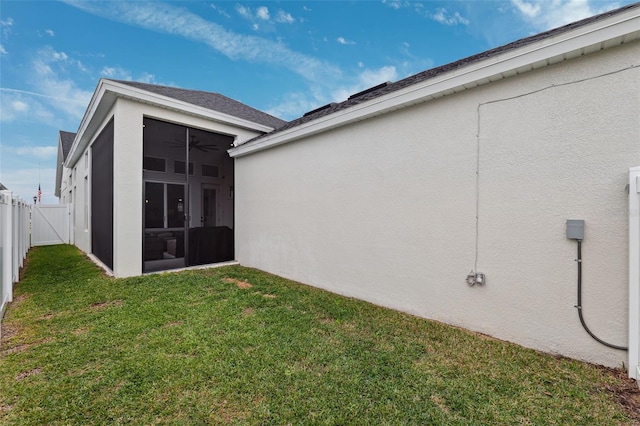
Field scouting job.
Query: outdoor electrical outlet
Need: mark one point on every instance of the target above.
(475, 278)
(471, 279)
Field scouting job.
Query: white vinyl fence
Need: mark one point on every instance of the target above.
(14, 243)
(50, 224)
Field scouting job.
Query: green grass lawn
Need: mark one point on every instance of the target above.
(234, 345)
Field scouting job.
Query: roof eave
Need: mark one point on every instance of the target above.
(108, 91)
(598, 35)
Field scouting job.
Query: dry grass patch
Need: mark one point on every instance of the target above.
(237, 282)
(29, 373)
(224, 413)
(9, 331)
(24, 346)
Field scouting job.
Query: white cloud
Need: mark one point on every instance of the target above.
(40, 152)
(395, 4)
(50, 32)
(293, 105)
(366, 79)
(2, 50)
(24, 105)
(147, 78)
(19, 106)
(262, 13)
(50, 92)
(380, 75)
(220, 11)
(528, 9)
(284, 17)
(116, 73)
(179, 21)
(119, 73)
(49, 66)
(442, 16)
(342, 40)
(244, 11)
(544, 15)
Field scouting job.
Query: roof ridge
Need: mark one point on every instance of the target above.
(142, 83)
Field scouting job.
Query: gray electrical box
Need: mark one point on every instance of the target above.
(575, 229)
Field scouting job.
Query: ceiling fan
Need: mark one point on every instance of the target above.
(194, 143)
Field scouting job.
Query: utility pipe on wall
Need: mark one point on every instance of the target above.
(579, 305)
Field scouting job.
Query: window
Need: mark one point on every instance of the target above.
(154, 205)
(154, 164)
(164, 205)
(178, 167)
(86, 203)
(210, 171)
(86, 160)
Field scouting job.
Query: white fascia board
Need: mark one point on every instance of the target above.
(142, 95)
(109, 87)
(625, 26)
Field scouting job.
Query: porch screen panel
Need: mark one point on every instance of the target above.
(102, 196)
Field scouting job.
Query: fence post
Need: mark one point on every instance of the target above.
(15, 252)
(6, 222)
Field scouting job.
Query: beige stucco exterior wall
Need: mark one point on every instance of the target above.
(385, 209)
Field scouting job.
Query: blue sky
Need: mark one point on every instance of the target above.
(285, 57)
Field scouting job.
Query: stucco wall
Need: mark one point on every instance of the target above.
(385, 209)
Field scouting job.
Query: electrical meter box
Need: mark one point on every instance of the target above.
(575, 229)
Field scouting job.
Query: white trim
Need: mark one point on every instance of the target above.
(142, 95)
(599, 35)
(108, 91)
(634, 273)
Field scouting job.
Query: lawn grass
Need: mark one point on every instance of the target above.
(234, 345)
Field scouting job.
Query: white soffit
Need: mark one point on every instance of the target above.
(108, 91)
(598, 35)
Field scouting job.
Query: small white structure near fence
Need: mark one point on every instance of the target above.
(14, 243)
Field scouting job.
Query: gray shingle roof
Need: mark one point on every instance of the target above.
(66, 139)
(386, 88)
(212, 101)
